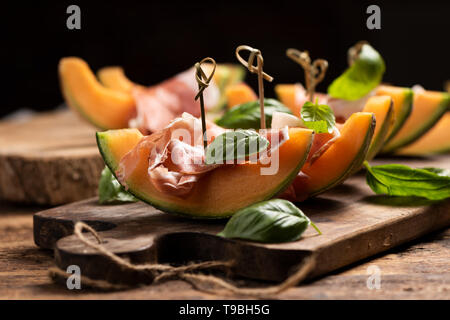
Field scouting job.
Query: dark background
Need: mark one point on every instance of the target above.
(155, 40)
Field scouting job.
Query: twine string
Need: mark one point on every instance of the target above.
(314, 71)
(161, 272)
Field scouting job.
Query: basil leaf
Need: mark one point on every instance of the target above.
(270, 221)
(235, 145)
(319, 118)
(401, 180)
(361, 77)
(110, 191)
(248, 115)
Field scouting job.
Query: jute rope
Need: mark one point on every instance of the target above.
(161, 272)
(314, 71)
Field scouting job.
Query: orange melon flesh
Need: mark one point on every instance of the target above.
(428, 108)
(340, 160)
(287, 94)
(436, 140)
(115, 78)
(105, 108)
(382, 108)
(239, 93)
(219, 193)
(402, 103)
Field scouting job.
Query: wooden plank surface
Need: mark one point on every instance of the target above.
(51, 158)
(355, 224)
(416, 270)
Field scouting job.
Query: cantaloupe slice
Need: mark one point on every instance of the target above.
(402, 101)
(340, 160)
(428, 108)
(287, 93)
(105, 108)
(382, 108)
(239, 93)
(115, 78)
(435, 141)
(220, 192)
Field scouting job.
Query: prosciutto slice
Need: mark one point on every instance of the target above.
(342, 109)
(156, 106)
(176, 157)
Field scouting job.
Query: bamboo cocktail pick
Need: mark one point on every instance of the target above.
(314, 72)
(258, 70)
(353, 52)
(203, 83)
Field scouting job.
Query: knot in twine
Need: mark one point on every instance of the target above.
(164, 272)
(353, 52)
(202, 80)
(314, 72)
(249, 63)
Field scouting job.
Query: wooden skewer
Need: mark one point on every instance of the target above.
(314, 72)
(203, 83)
(258, 70)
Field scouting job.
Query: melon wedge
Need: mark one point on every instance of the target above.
(287, 93)
(428, 108)
(402, 101)
(219, 193)
(342, 158)
(104, 107)
(239, 93)
(115, 78)
(435, 141)
(382, 108)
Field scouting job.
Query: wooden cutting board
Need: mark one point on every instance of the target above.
(355, 223)
(50, 159)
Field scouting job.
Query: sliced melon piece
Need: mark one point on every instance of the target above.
(239, 93)
(115, 78)
(104, 107)
(287, 93)
(340, 160)
(428, 108)
(435, 141)
(402, 99)
(220, 192)
(382, 108)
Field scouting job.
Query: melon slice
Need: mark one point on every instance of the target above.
(340, 160)
(287, 93)
(428, 108)
(382, 108)
(220, 192)
(115, 78)
(239, 93)
(435, 141)
(104, 107)
(402, 101)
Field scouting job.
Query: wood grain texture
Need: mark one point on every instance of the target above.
(416, 270)
(49, 159)
(355, 223)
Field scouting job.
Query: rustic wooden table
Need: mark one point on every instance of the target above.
(418, 270)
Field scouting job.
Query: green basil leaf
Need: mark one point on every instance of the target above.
(270, 221)
(361, 77)
(235, 145)
(110, 191)
(248, 115)
(401, 180)
(319, 118)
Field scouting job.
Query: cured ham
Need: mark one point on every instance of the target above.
(176, 157)
(156, 106)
